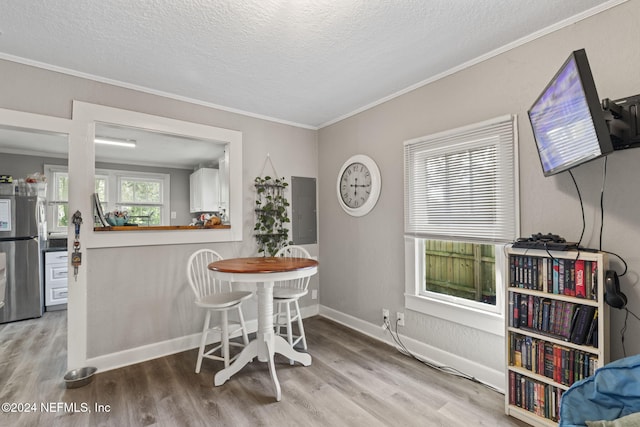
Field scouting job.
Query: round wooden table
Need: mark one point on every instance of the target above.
(263, 271)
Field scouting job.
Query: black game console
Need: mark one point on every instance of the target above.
(550, 242)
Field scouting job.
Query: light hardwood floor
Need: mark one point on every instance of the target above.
(352, 381)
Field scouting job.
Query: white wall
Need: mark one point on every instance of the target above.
(138, 301)
(363, 258)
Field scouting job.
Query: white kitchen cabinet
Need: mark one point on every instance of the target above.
(204, 190)
(56, 270)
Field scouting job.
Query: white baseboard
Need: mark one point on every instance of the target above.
(424, 351)
(491, 377)
(131, 356)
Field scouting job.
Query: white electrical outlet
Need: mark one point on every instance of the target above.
(385, 317)
(314, 294)
(400, 319)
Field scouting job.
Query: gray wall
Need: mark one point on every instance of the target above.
(363, 258)
(145, 288)
(19, 166)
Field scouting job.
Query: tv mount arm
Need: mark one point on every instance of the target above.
(616, 111)
(622, 119)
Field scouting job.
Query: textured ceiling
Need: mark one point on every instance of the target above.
(305, 62)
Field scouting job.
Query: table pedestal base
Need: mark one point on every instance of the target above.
(265, 346)
(280, 346)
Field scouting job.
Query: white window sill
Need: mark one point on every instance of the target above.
(471, 317)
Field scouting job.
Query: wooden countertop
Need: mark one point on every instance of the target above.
(158, 227)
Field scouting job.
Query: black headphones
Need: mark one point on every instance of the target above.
(612, 294)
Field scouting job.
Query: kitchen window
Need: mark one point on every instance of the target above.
(143, 195)
(142, 198)
(460, 210)
(59, 208)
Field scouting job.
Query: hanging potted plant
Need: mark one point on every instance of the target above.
(271, 215)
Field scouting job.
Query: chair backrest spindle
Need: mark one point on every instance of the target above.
(200, 278)
(294, 251)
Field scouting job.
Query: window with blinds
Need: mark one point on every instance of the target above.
(461, 206)
(461, 184)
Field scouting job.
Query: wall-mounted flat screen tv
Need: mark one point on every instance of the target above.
(568, 122)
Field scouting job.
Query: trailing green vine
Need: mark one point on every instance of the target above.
(271, 215)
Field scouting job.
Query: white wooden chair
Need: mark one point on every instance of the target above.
(216, 296)
(286, 295)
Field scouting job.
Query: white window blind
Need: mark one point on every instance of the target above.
(462, 184)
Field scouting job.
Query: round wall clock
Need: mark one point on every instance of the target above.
(358, 186)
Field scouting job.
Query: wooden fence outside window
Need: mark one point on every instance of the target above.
(465, 270)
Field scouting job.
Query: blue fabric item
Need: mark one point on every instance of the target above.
(613, 391)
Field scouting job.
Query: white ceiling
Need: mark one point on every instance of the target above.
(304, 62)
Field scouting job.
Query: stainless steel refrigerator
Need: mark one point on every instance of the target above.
(22, 230)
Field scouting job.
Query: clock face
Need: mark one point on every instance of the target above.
(358, 185)
(355, 185)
